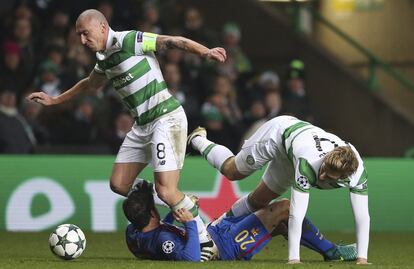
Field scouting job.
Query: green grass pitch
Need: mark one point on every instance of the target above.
(108, 250)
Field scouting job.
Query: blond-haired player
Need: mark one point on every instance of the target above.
(299, 156)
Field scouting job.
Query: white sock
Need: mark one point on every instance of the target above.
(215, 154)
(188, 204)
(200, 143)
(158, 201)
(241, 207)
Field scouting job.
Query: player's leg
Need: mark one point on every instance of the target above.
(313, 239)
(218, 156)
(256, 152)
(168, 151)
(166, 186)
(272, 215)
(257, 199)
(250, 233)
(130, 161)
(275, 181)
(123, 176)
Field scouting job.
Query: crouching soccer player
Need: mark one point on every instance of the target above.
(298, 156)
(237, 238)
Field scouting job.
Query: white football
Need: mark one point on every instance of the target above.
(67, 241)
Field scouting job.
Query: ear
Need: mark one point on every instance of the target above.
(103, 27)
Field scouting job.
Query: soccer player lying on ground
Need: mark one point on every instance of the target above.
(237, 238)
(300, 156)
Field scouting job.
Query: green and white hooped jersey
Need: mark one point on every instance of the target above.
(306, 146)
(130, 64)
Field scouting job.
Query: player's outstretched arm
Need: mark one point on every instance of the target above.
(178, 42)
(93, 82)
(359, 204)
(191, 250)
(298, 206)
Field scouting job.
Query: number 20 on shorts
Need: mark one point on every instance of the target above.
(244, 238)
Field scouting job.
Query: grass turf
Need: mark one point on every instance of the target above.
(108, 250)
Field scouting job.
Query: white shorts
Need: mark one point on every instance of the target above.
(161, 143)
(265, 146)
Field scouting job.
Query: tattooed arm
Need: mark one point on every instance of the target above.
(178, 42)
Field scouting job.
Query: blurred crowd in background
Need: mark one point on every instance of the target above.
(42, 52)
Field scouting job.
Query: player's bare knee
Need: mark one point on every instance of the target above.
(118, 188)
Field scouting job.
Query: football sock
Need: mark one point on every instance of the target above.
(313, 239)
(241, 207)
(215, 154)
(188, 204)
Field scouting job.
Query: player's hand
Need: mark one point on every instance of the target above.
(42, 98)
(362, 261)
(183, 215)
(294, 262)
(216, 54)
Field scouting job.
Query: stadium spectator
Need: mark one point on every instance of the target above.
(189, 102)
(122, 125)
(149, 22)
(254, 118)
(23, 35)
(48, 80)
(259, 86)
(57, 30)
(16, 136)
(257, 112)
(13, 76)
(195, 29)
(273, 102)
(127, 59)
(31, 112)
(296, 102)
(214, 120)
(300, 156)
(237, 62)
(230, 109)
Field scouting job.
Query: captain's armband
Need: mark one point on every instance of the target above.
(149, 42)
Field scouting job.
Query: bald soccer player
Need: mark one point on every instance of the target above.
(158, 136)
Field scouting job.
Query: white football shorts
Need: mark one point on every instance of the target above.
(162, 143)
(265, 146)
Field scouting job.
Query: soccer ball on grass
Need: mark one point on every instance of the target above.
(67, 241)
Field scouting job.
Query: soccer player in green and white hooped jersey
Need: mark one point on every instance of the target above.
(158, 136)
(299, 155)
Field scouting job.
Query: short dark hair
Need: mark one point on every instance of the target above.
(138, 206)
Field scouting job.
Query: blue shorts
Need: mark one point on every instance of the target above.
(239, 238)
